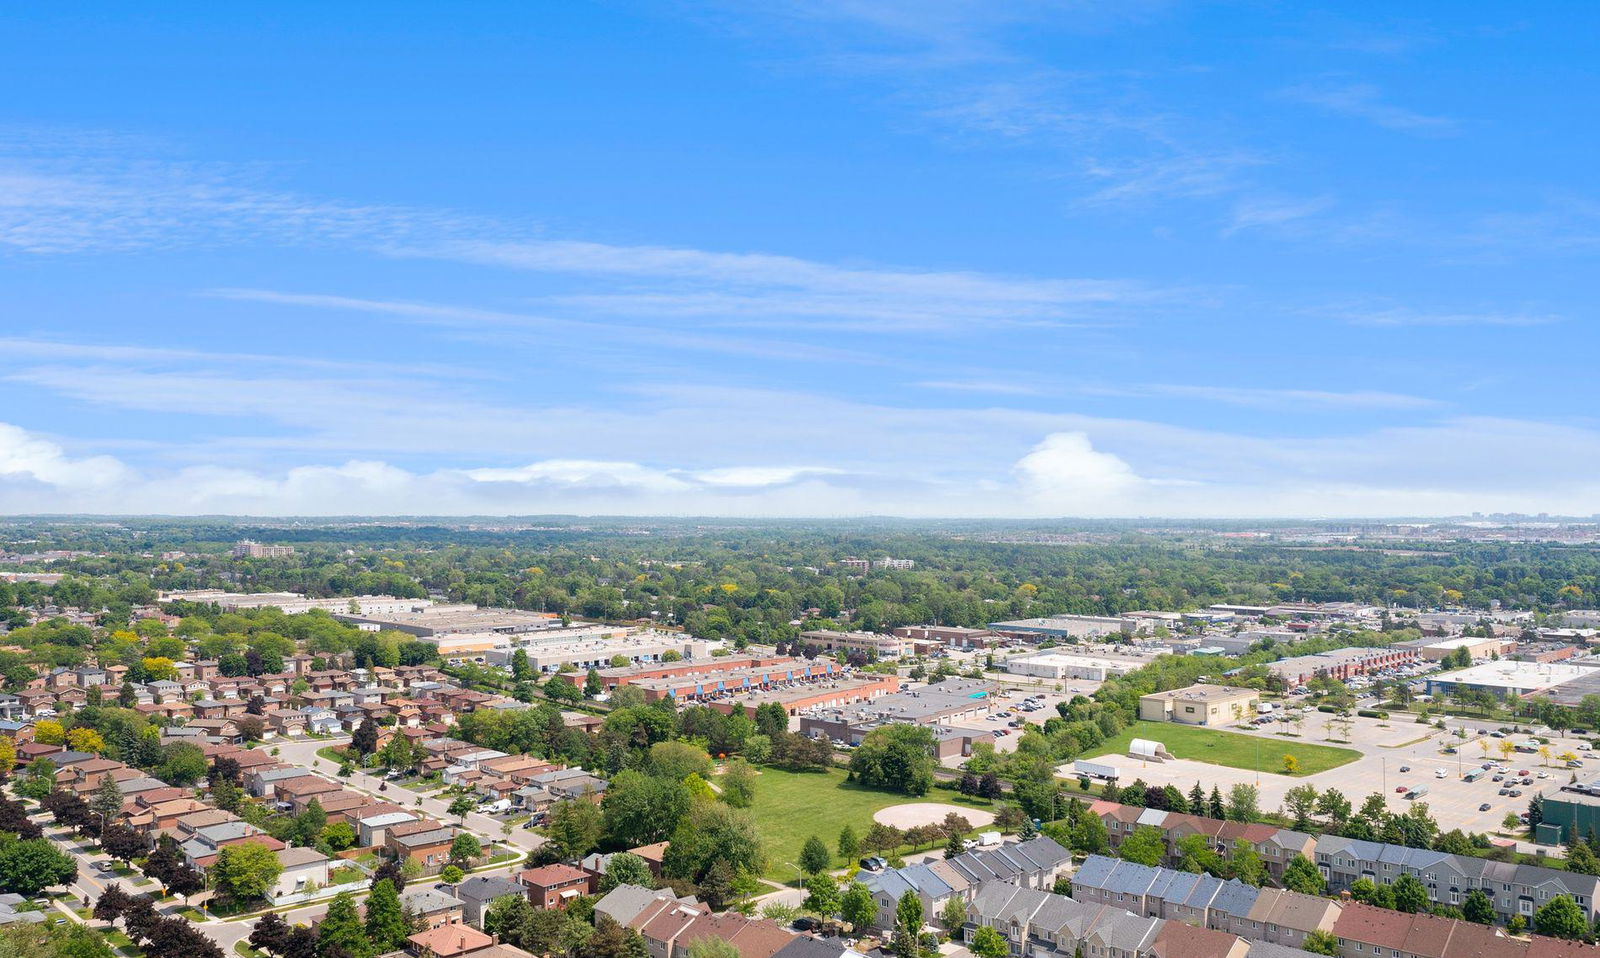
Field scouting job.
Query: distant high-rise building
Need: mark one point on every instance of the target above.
(249, 549)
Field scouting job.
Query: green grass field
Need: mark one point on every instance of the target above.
(792, 806)
(1217, 747)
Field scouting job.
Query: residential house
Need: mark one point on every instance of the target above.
(477, 892)
(552, 886)
(425, 842)
(303, 869)
(434, 905)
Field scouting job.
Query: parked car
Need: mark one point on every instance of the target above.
(1484, 807)
(1516, 793)
(1404, 769)
(1402, 789)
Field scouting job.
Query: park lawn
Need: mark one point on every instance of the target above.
(1232, 749)
(792, 806)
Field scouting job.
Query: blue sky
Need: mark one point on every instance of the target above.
(839, 257)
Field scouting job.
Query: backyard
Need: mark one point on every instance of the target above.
(792, 806)
(1232, 749)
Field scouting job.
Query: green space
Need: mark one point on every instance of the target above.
(792, 806)
(1216, 747)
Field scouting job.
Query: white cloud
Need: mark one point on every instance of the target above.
(1066, 473)
(1400, 316)
(29, 459)
(1365, 101)
(1080, 466)
(1268, 398)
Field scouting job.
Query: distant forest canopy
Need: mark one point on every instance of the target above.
(731, 578)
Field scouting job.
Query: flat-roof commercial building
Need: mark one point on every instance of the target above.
(1509, 678)
(953, 636)
(1477, 647)
(953, 700)
(293, 603)
(611, 678)
(838, 692)
(432, 620)
(1064, 665)
(872, 643)
(591, 648)
(1065, 627)
(1199, 705)
(723, 684)
(1339, 664)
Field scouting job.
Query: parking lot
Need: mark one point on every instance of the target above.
(1398, 756)
(1012, 696)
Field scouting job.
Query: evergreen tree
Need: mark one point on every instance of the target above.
(1214, 806)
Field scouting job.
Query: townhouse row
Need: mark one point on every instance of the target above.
(1286, 918)
(1514, 889)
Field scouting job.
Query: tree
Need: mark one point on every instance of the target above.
(717, 884)
(106, 802)
(1302, 876)
(386, 922)
(739, 783)
(1090, 836)
(1244, 863)
(953, 846)
(896, 757)
(364, 740)
(461, 806)
(1243, 803)
(988, 943)
(1478, 908)
(908, 925)
(1320, 942)
(574, 827)
(1560, 917)
(822, 894)
(640, 809)
(856, 906)
(85, 740)
(1301, 801)
(626, 868)
(1214, 806)
(340, 932)
(953, 915)
(1410, 895)
(121, 842)
(814, 857)
(465, 848)
(849, 846)
(1145, 846)
(452, 874)
(270, 933)
(29, 866)
(713, 834)
(245, 871)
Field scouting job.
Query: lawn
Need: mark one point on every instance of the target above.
(792, 806)
(1217, 747)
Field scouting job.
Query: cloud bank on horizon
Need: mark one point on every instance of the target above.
(933, 259)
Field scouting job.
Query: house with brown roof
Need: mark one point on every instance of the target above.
(448, 941)
(552, 886)
(1177, 940)
(300, 791)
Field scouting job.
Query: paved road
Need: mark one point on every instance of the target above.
(305, 753)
